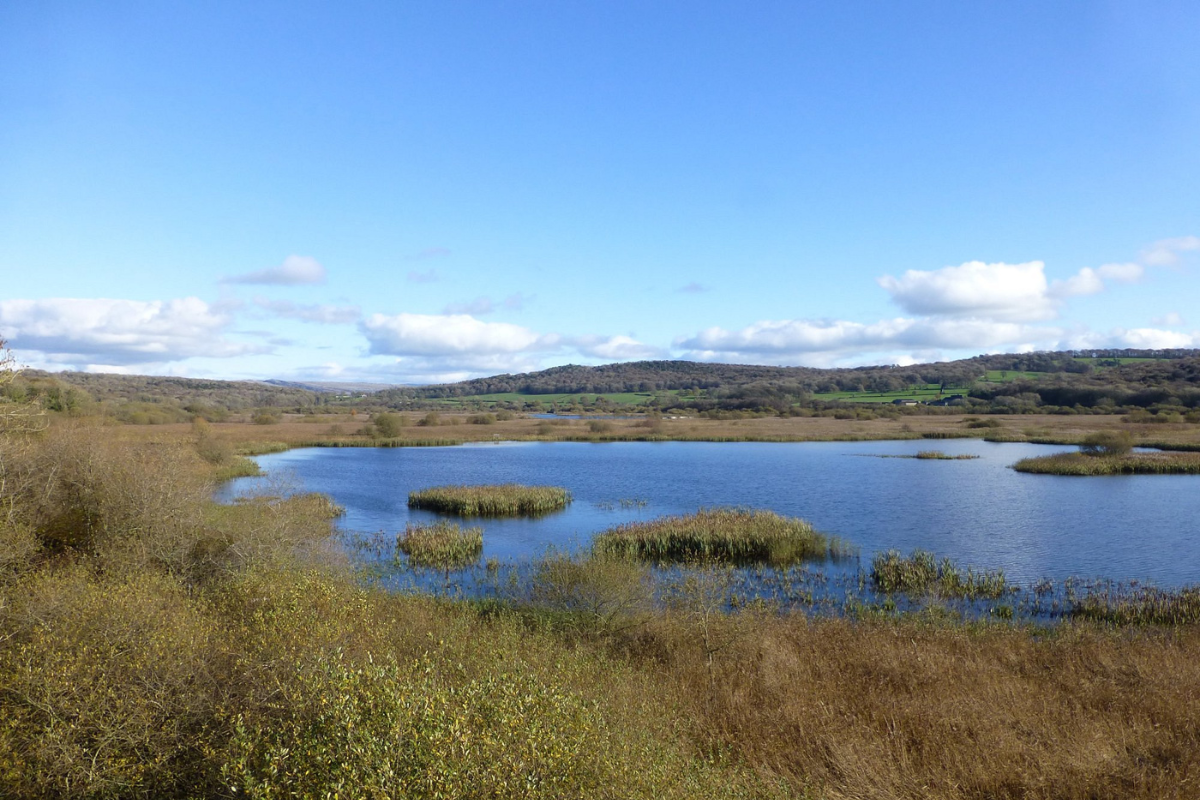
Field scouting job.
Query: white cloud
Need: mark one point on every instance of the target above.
(1012, 292)
(802, 340)
(1086, 281)
(447, 334)
(615, 348)
(294, 271)
(321, 313)
(1153, 339)
(119, 332)
(1168, 252)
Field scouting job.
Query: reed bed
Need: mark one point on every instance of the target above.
(494, 500)
(938, 455)
(442, 544)
(735, 535)
(1143, 605)
(1082, 464)
(922, 574)
(926, 455)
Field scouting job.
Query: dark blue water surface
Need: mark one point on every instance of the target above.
(977, 512)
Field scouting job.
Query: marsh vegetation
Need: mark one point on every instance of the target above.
(442, 544)
(736, 535)
(494, 500)
(154, 643)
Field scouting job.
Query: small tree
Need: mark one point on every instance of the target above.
(1107, 443)
(388, 425)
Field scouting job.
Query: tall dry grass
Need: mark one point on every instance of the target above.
(884, 709)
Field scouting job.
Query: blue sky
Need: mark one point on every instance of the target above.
(417, 192)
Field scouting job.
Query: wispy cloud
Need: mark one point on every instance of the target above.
(428, 254)
(317, 312)
(294, 271)
(481, 306)
(1169, 252)
(694, 288)
(477, 307)
(1171, 319)
(428, 276)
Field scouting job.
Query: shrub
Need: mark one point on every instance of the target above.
(388, 425)
(604, 594)
(110, 690)
(430, 419)
(1107, 443)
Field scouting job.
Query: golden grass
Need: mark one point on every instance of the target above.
(884, 710)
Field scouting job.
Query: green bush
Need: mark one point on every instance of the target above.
(1107, 443)
(388, 425)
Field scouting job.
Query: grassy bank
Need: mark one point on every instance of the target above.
(733, 535)
(495, 500)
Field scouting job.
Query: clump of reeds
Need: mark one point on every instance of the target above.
(496, 500)
(1144, 605)
(940, 456)
(734, 535)
(921, 574)
(1083, 464)
(442, 544)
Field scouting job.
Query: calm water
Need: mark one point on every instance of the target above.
(977, 512)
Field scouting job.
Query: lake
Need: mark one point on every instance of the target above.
(977, 512)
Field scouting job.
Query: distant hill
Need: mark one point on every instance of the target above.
(337, 387)
(1067, 380)
(647, 376)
